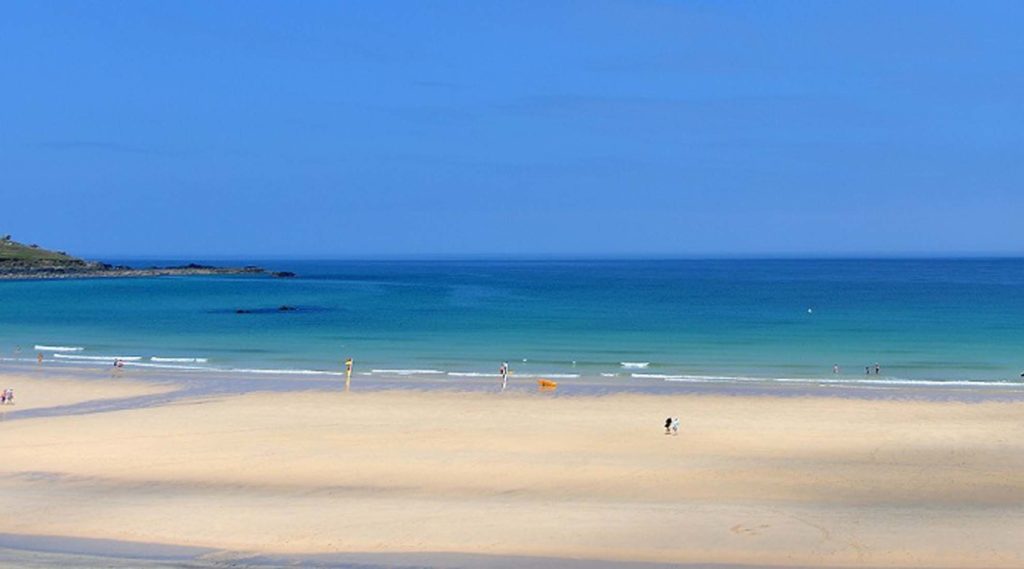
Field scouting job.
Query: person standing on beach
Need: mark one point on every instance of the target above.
(503, 371)
(348, 373)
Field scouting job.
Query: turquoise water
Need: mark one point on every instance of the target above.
(695, 320)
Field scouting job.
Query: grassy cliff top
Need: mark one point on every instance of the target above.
(20, 261)
(12, 251)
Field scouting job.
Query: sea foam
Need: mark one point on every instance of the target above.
(98, 358)
(42, 348)
(471, 374)
(408, 371)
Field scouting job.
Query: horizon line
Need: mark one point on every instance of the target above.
(567, 257)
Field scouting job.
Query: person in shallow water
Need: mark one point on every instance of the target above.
(503, 369)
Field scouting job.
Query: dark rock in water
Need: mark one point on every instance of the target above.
(283, 274)
(286, 308)
(243, 311)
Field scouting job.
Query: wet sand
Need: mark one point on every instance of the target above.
(750, 480)
(34, 391)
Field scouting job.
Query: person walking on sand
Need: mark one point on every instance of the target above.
(668, 426)
(348, 373)
(675, 426)
(503, 371)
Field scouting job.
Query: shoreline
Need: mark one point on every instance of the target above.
(207, 381)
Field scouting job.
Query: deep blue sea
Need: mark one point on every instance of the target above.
(677, 320)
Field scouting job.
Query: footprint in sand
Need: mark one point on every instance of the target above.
(741, 529)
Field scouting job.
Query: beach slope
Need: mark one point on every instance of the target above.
(817, 481)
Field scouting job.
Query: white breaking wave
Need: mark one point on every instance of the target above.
(900, 381)
(42, 348)
(514, 375)
(890, 382)
(408, 371)
(471, 374)
(655, 376)
(284, 371)
(171, 366)
(545, 375)
(865, 383)
(635, 365)
(99, 358)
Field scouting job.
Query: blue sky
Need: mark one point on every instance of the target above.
(338, 129)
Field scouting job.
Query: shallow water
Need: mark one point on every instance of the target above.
(693, 321)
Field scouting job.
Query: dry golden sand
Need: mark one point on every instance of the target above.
(781, 481)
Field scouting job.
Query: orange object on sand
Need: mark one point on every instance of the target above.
(547, 384)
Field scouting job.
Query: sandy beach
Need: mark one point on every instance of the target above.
(41, 392)
(813, 481)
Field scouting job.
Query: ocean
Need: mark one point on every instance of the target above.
(920, 320)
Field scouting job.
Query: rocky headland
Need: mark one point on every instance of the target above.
(19, 261)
